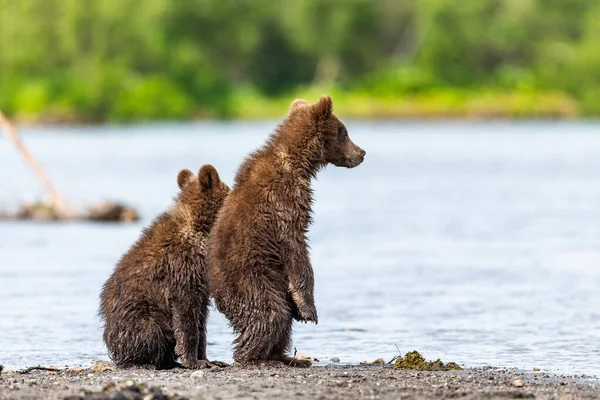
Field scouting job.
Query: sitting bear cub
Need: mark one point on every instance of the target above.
(155, 304)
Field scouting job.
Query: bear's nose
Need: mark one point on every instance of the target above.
(362, 153)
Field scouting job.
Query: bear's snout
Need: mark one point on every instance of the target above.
(356, 156)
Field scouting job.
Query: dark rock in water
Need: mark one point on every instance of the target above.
(112, 212)
(1, 369)
(414, 360)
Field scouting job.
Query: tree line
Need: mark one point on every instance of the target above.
(112, 60)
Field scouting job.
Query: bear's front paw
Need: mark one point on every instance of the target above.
(220, 364)
(197, 364)
(308, 314)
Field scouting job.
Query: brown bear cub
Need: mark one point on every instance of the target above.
(259, 269)
(155, 304)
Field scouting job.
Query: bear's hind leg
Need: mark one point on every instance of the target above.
(266, 336)
(143, 344)
(280, 350)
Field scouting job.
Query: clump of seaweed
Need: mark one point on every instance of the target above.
(414, 360)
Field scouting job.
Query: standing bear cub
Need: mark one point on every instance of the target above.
(259, 269)
(155, 304)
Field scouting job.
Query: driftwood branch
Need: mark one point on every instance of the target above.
(38, 368)
(59, 209)
(396, 356)
(58, 201)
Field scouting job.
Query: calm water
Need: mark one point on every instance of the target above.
(477, 243)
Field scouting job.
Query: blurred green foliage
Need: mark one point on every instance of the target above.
(121, 60)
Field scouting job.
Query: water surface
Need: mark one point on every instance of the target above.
(477, 243)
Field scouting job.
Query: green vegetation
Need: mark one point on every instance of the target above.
(110, 60)
(414, 360)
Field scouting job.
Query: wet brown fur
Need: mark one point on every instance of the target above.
(259, 268)
(155, 304)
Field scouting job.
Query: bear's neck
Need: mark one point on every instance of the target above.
(194, 219)
(298, 149)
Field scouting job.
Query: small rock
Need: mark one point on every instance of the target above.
(377, 361)
(76, 369)
(130, 384)
(155, 394)
(518, 383)
(117, 396)
(103, 366)
(334, 359)
(110, 387)
(152, 396)
(132, 394)
(535, 369)
(197, 374)
(302, 357)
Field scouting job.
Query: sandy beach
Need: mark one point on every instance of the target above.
(319, 382)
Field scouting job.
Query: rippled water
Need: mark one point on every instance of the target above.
(477, 243)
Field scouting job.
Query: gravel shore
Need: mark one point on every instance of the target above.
(318, 382)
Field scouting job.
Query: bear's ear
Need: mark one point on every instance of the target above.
(184, 177)
(208, 177)
(298, 104)
(324, 107)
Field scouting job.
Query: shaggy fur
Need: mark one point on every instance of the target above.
(155, 304)
(259, 269)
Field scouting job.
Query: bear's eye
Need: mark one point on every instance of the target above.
(343, 132)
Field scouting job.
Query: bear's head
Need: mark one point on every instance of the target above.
(201, 196)
(337, 147)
